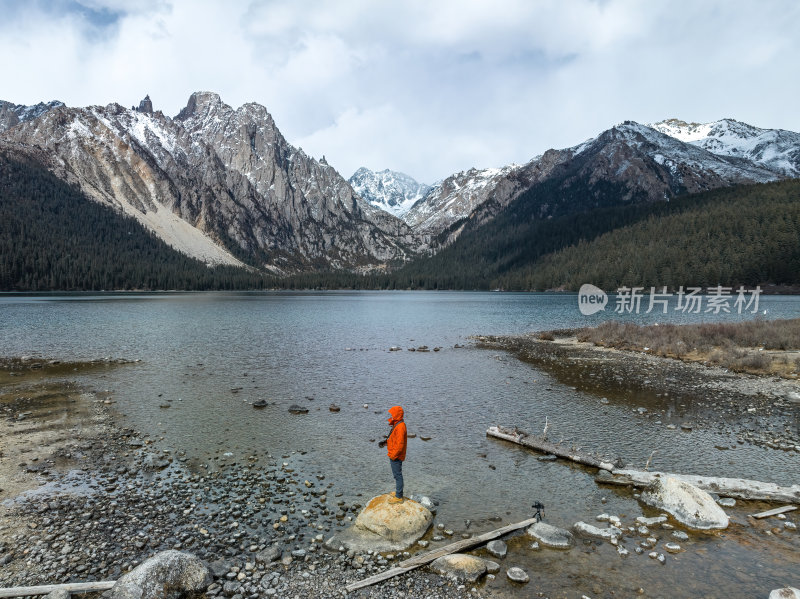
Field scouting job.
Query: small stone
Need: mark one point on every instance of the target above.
(726, 501)
(517, 575)
(680, 535)
(672, 547)
(492, 567)
(497, 548)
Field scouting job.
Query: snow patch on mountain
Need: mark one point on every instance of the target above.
(388, 190)
(775, 149)
(454, 198)
(12, 115)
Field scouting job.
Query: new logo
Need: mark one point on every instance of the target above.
(591, 299)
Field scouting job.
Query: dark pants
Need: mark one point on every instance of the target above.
(397, 472)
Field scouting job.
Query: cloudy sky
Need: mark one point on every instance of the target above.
(425, 87)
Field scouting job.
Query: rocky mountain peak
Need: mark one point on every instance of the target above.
(146, 105)
(388, 190)
(201, 103)
(774, 149)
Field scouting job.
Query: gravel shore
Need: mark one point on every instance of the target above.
(83, 499)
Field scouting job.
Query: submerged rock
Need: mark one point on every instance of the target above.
(689, 505)
(551, 536)
(517, 575)
(497, 548)
(166, 574)
(607, 534)
(459, 566)
(295, 409)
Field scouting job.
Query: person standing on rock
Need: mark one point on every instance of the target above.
(396, 449)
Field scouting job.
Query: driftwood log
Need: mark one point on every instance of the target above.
(426, 558)
(738, 488)
(71, 587)
(545, 446)
(775, 512)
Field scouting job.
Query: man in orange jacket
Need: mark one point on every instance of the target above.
(396, 449)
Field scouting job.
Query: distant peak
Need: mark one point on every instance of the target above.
(146, 105)
(200, 102)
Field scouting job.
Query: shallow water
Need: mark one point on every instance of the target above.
(210, 355)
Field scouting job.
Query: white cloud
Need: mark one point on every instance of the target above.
(425, 87)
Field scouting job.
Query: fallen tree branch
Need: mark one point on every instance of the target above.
(425, 558)
(540, 444)
(738, 488)
(71, 587)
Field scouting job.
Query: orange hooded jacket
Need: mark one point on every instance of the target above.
(396, 443)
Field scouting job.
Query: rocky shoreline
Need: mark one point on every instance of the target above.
(759, 410)
(92, 500)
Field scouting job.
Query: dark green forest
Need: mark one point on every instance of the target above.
(52, 237)
(555, 236)
(739, 235)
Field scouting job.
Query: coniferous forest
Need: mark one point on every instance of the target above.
(52, 237)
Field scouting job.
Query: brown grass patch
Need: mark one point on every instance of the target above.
(756, 346)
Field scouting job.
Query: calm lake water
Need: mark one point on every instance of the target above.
(315, 349)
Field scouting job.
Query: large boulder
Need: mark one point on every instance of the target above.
(686, 503)
(551, 536)
(459, 566)
(384, 526)
(166, 575)
(785, 593)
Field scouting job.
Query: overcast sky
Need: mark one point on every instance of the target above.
(425, 87)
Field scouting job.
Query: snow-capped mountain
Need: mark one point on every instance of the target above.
(627, 163)
(775, 149)
(454, 198)
(388, 190)
(14, 114)
(223, 184)
(219, 184)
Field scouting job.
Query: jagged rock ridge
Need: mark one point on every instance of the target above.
(219, 184)
(12, 115)
(775, 149)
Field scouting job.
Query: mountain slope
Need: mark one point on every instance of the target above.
(220, 185)
(388, 190)
(636, 162)
(736, 236)
(743, 234)
(53, 237)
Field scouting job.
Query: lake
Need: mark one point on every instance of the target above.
(211, 355)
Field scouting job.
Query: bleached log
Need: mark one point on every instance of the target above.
(544, 446)
(775, 512)
(71, 587)
(738, 488)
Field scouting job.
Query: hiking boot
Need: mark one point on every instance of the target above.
(394, 499)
